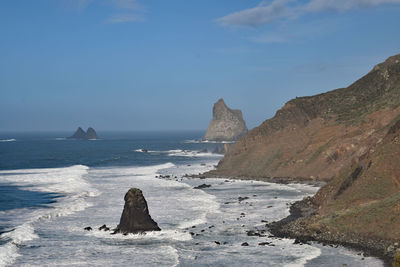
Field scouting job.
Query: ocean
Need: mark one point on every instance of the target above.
(51, 188)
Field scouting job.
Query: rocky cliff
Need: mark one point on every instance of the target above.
(360, 207)
(226, 125)
(317, 137)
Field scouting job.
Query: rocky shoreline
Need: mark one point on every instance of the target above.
(298, 226)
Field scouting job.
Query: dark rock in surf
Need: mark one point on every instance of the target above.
(135, 217)
(202, 186)
(88, 228)
(104, 227)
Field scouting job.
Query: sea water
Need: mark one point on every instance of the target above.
(51, 188)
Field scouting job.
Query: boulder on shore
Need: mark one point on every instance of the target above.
(135, 217)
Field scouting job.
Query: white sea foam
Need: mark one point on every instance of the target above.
(174, 205)
(67, 181)
(180, 153)
(8, 140)
(207, 141)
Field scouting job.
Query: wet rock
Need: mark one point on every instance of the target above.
(202, 186)
(263, 243)
(245, 244)
(104, 227)
(242, 198)
(216, 242)
(144, 150)
(88, 228)
(135, 217)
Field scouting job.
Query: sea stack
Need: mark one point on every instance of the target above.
(226, 125)
(91, 134)
(135, 217)
(80, 134)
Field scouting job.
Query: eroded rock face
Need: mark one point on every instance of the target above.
(226, 125)
(135, 217)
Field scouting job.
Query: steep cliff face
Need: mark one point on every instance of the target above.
(226, 125)
(364, 198)
(316, 137)
(360, 207)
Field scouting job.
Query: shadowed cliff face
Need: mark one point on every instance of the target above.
(316, 137)
(226, 125)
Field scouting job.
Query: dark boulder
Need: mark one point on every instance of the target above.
(104, 227)
(135, 217)
(202, 186)
(88, 228)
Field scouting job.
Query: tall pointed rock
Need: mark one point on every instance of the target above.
(226, 125)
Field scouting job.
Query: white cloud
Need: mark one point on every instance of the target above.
(127, 4)
(269, 11)
(261, 14)
(123, 18)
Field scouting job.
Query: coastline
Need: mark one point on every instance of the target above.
(295, 225)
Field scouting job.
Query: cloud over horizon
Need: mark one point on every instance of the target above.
(132, 9)
(269, 11)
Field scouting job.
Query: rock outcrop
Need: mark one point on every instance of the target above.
(316, 137)
(226, 125)
(80, 134)
(135, 217)
(350, 138)
(91, 133)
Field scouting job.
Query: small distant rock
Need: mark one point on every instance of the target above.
(242, 198)
(104, 227)
(80, 134)
(202, 186)
(88, 228)
(245, 244)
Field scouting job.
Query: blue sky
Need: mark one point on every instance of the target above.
(160, 65)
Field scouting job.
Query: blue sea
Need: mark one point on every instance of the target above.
(51, 188)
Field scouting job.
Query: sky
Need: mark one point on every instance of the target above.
(161, 65)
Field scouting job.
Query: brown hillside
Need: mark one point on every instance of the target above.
(361, 206)
(316, 137)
